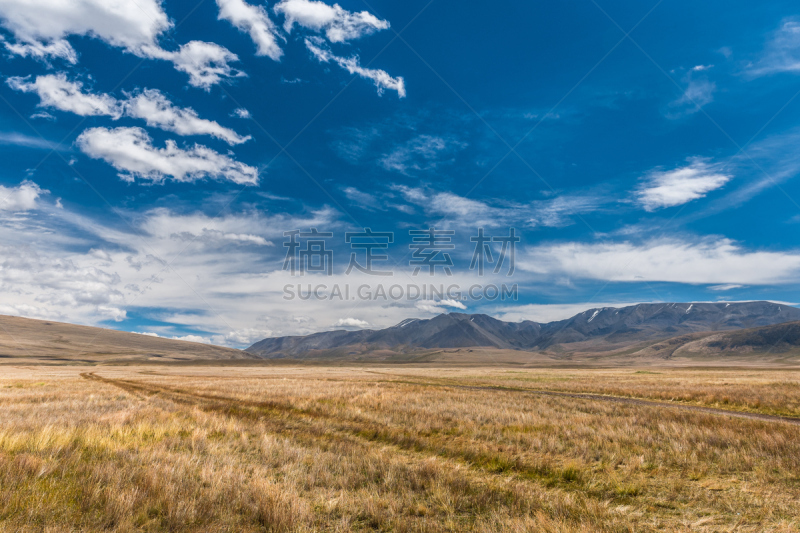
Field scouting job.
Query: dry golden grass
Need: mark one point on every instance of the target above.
(342, 449)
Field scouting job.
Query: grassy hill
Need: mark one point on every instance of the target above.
(26, 339)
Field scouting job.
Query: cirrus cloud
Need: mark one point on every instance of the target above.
(380, 78)
(782, 53)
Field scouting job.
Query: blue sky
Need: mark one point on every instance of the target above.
(155, 153)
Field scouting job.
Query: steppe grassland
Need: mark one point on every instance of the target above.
(338, 449)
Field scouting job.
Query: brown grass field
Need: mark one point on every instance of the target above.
(217, 448)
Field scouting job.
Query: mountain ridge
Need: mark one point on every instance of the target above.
(596, 328)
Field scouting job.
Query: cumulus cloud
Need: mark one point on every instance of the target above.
(43, 52)
(153, 107)
(438, 306)
(782, 52)
(254, 21)
(55, 91)
(452, 303)
(338, 24)
(380, 78)
(61, 284)
(662, 189)
(20, 198)
(204, 275)
(130, 151)
(351, 323)
(39, 24)
(238, 338)
(710, 261)
(205, 63)
(41, 28)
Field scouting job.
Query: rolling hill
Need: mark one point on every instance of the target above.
(26, 339)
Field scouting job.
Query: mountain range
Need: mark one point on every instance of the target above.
(594, 330)
(754, 333)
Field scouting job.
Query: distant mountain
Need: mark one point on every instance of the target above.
(46, 341)
(607, 327)
(776, 339)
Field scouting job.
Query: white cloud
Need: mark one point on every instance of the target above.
(338, 24)
(438, 307)
(380, 78)
(351, 323)
(20, 198)
(133, 26)
(41, 28)
(459, 210)
(60, 284)
(430, 307)
(726, 287)
(201, 229)
(130, 150)
(237, 338)
(452, 303)
(698, 93)
(422, 153)
(193, 338)
(560, 211)
(782, 53)
(676, 187)
(208, 275)
(19, 139)
(241, 113)
(254, 21)
(56, 91)
(710, 261)
(56, 49)
(363, 199)
(544, 313)
(159, 112)
(205, 63)
(43, 115)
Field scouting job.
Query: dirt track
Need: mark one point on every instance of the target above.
(132, 386)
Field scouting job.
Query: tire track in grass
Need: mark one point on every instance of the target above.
(287, 419)
(482, 475)
(298, 424)
(605, 398)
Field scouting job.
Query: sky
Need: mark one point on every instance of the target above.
(160, 158)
